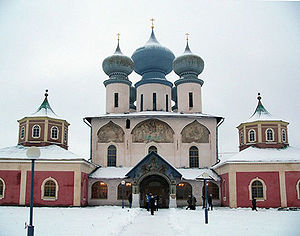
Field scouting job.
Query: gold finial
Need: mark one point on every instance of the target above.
(118, 34)
(152, 23)
(46, 94)
(187, 36)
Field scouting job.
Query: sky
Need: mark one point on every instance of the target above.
(247, 47)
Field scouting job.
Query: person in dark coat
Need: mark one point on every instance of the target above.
(130, 199)
(209, 201)
(152, 204)
(189, 201)
(203, 201)
(254, 204)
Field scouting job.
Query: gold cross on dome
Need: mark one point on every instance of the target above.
(187, 36)
(152, 23)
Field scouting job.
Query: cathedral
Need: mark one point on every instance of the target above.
(154, 138)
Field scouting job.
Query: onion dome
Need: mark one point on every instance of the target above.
(118, 66)
(188, 65)
(153, 61)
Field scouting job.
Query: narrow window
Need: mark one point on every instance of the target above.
(167, 102)
(50, 189)
(270, 136)
(283, 136)
(183, 190)
(190, 99)
(54, 132)
(252, 135)
(127, 124)
(65, 135)
(22, 135)
(142, 102)
(99, 190)
(298, 189)
(1, 188)
(257, 189)
(152, 149)
(154, 101)
(194, 157)
(242, 137)
(36, 131)
(116, 100)
(111, 156)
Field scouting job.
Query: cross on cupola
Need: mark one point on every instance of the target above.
(152, 20)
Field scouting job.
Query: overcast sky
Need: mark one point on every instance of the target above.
(247, 47)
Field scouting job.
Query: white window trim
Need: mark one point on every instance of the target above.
(252, 141)
(298, 189)
(264, 198)
(270, 140)
(22, 131)
(242, 137)
(39, 131)
(57, 132)
(283, 131)
(43, 188)
(2, 196)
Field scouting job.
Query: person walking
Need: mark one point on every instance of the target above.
(254, 204)
(130, 199)
(152, 204)
(193, 203)
(148, 196)
(209, 200)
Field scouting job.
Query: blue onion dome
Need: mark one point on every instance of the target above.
(118, 66)
(188, 65)
(153, 61)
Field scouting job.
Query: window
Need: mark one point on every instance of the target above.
(49, 189)
(252, 135)
(270, 135)
(167, 102)
(142, 102)
(190, 100)
(242, 137)
(22, 134)
(36, 131)
(154, 101)
(65, 135)
(99, 190)
(2, 188)
(152, 149)
(298, 189)
(257, 189)
(127, 190)
(183, 190)
(224, 190)
(54, 132)
(111, 156)
(283, 136)
(194, 157)
(212, 189)
(116, 100)
(127, 124)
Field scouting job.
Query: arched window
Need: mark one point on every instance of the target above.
(224, 189)
(36, 131)
(194, 157)
(99, 190)
(22, 134)
(2, 188)
(270, 135)
(65, 135)
(251, 135)
(183, 190)
(212, 189)
(257, 189)
(242, 137)
(49, 189)
(283, 136)
(152, 149)
(127, 190)
(298, 189)
(54, 132)
(112, 156)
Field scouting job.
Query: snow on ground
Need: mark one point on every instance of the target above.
(113, 220)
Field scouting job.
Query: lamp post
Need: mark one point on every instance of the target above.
(32, 153)
(123, 185)
(204, 177)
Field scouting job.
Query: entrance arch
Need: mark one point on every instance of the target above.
(156, 185)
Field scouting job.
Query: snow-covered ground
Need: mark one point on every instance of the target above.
(113, 220)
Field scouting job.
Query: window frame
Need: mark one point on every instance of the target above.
(154, 104)
(65, 135)
(273, 134)
(142, 102)
(57, 132)
(152, 147)
(22, 132)
(263, 186)
(251, 131)
(283, 134)
(191, 102)
(39, 129)
(194, 159)
(3, 188)
(109, 156)
(116, 100)
(49, 198)
(298, 189)
(105, 186)
(242, 137)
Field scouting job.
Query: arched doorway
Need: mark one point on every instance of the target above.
(156, 185)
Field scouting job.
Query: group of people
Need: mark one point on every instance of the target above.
(152, 202)
(192, 202)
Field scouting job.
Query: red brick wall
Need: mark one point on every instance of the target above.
(12, 181)
(291, 179)
(84, 189)
(271, 180)
(65, 181)
(224, 189)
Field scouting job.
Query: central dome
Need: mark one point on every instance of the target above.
(153, 60)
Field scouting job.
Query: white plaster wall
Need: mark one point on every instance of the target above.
(147, 90)
(123, 91)
(183, 91)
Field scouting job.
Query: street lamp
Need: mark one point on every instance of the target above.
(204, 177)
(32, 153)
(123, 185)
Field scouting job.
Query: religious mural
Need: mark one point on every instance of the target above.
(152, 130)
(110, 132)
(195, 132)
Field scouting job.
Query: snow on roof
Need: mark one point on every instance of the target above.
(52, 152)
(120, 172)
(264, 155)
